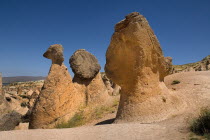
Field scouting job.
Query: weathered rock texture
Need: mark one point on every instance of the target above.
(134, 61)
(203, 65)
(58, 99)
(84, 64)
(9, 121)
(3, 105)
(168, 66)
(87, 77)
(113, 89)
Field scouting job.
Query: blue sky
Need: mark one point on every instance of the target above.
(29, 27)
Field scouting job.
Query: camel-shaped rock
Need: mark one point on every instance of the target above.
(58, 99)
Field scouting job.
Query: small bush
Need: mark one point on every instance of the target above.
(77, 120)
(23, 104)
(175, 82)
(201, 125)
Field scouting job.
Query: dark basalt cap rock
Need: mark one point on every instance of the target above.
(84, 64)
(55, 53)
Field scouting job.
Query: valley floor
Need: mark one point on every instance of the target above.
(194, 89)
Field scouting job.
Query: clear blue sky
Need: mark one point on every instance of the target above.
(29, 27)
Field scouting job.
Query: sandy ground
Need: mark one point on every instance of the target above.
(194, 89)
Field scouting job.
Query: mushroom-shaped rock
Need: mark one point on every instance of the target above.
(134, 61)
(88, 78)
(84, 64)
(59, 99)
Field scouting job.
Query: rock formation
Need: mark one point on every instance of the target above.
(108, 83)
(87, 77)
(58, 99)
(113, 89)
(3, 104)
(167, 67)
(134, 61)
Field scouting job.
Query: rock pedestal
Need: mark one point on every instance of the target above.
(59, 99)
(134, 61)
(88, 78)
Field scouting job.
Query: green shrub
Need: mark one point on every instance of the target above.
(175, 82)
(77, 120)
(23, 104)
(201, 125)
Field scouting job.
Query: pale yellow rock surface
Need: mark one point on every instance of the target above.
(134, 61)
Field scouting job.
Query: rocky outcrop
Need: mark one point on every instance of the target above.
(58, 99)
(134, 61)
(87, 77)
(203, 65)
(113, 89)
(167, 63)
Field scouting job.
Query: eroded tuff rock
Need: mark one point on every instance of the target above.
(55, 53)
(167, 65)
(87, 77)
(3, 105)
(84, 64)
(134, 61)
(58, 99)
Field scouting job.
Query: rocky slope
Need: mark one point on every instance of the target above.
(203, 65)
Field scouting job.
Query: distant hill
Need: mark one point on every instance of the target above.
(203, 65)
(22, 79)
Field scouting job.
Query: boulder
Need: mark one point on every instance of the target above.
(9, 121)
(58, 100)
(134, 61)
(84, 64)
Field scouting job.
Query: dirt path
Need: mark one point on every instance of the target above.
(194, 89)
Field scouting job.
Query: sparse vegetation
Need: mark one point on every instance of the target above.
(84, 117)
(23, 104)
(175, 82)
(77, 120)
(201, 125)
